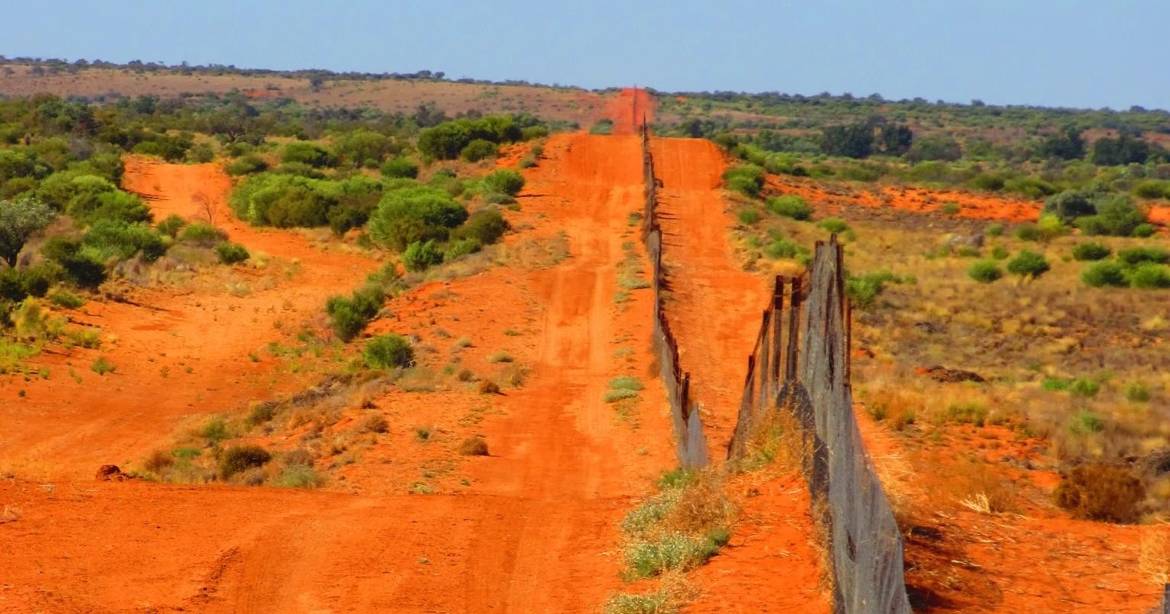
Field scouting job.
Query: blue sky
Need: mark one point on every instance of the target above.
(1053, 52)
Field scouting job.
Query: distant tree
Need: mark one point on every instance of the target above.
(896, 139)
(19, 219)
(937, 147)
(851, 141)
(1064, 145)
(1125, 149)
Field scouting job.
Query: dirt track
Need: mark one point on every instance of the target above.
(536, 532)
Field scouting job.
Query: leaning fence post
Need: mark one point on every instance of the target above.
(763, 343)
(793, 331)
(777, 327)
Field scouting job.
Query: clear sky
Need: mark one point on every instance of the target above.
(1084, 53)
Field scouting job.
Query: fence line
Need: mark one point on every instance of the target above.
(807, 375)
(688, 427)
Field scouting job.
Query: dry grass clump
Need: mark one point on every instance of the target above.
(1099, 491)
(1154, 555)
(977, 487)
(679, 528)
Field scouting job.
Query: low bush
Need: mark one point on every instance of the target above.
(79, 266)
(863, 290)
(1105, 273)
(231, 253)
(477, 150)
(119, 240)
(302, 152)
(388, 352)
(1144, 254)
(415, 214)
(747, 179)
(1150, 276)
(781, 248)
(748, 217)
(422, 255)
(602, 126)
(19, 220)
(504, 181)
(399, 168)
(459, 248)
(646, 559)
(237, 459)
(790, 205)
(202, 234)
(985, 271)
(834, 225)
(171, 225)
(1028, 264)
(1091, 251)
(1116, 216)
(349, 316)
(1097, 491)
(101, 365)
(485, 226)
(246, 165)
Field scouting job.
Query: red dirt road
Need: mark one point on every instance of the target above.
(714, 310)
(536, 531)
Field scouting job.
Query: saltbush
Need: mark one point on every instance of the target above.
(985, 271)
(1028, 264)
(1091, 251)
(231, 253)
(790, 205)
(504, 181)
(1105, 273)
(388, 352)
(421, 255)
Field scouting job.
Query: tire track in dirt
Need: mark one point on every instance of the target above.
(179, 352)
(714, 309)
(537, 532)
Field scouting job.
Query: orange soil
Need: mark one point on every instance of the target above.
(533, 527)
(972, 205)
(629, 109)
(1034, 558)
(179, 352)
(713, 308)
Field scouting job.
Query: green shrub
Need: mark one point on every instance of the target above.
(1105, 273)
(999, 252)
(202, 234)
(302, 152)
(748, 217)
(1143, 230)
(834, 225)
(1116, 216)
(171, 225)
(1152, 189)
(993, 230)
(18, 284)
(1070, 205)
(477, 150)
(1143, 254)
(747, 179)
(101, 365)
(967, 413)
(790, 205)
(458, 248)
(88, 198)
(116, 239)
(64, 298)
(485, 226)
(364, 147)
(231, 253)
(504, 181)
(984, 271)
(298, 476)
(1091, 251)
(781, 248)
(246, 165)
(349, 316)
(1148, 276)
(237, 459)
(80, 267)
(863, 290)
(388, 352)
(421, 255)
(19, 220)
(1137, 392)
(412, 215)
(1085, 422)
(1083, 387)
(1028, 264)
(286, 201)
(444, 141)
(400, 168)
